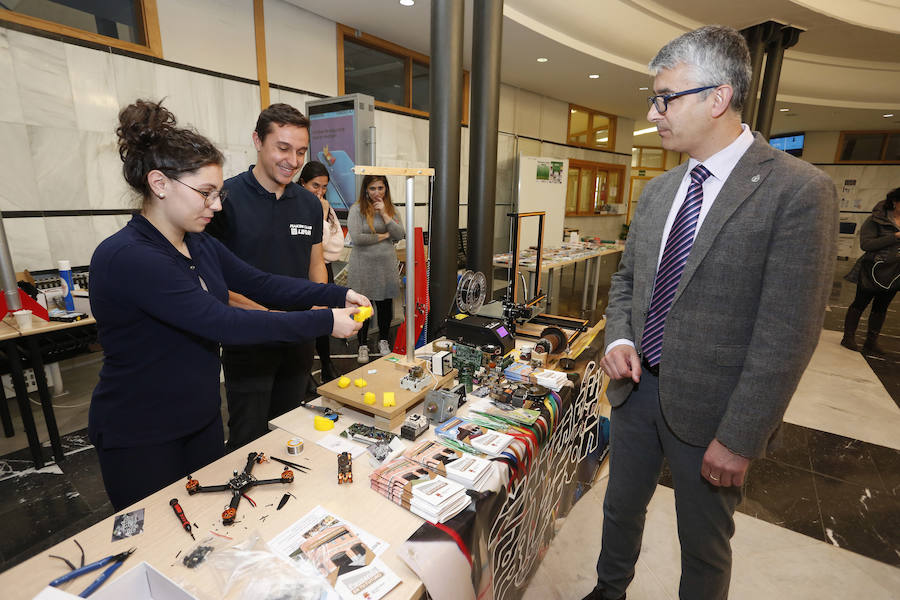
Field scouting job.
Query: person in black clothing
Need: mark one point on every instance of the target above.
(276, 226)
(314, 178)
(879, 237)
(159, 292)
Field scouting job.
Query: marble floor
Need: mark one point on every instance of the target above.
(820, 518)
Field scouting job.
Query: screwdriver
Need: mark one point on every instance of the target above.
(180, 514)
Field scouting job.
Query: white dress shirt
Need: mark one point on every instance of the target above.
(720, 165)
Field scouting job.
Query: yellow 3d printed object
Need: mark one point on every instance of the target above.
(388, 399)
(344, 382)
(364, 313)
(360, 382)
(322, 424)
(369, 398)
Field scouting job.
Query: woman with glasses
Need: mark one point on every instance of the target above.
(314, 177)
(159, 292)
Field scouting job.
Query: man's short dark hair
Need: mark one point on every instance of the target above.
(281, 114)
(717, 55)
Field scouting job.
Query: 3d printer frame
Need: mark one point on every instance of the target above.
(239, 484)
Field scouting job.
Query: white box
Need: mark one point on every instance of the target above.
(441, 363)
(143, 582)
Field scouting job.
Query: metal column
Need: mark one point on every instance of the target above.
(774, 58)
(443, 154)
(487, 27)
(410, 268)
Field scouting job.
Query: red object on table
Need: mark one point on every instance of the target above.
(421, 293)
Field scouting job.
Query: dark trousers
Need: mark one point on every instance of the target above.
(384, 312)
(323, 343)
(130, 474)
(639, 439)
(880, 300)
(261, 383)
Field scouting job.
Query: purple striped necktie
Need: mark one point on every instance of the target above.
(678, 247)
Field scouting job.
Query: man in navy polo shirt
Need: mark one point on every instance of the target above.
(275, 225)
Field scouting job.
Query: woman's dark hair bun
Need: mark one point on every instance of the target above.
(149, 139)
(142, 125)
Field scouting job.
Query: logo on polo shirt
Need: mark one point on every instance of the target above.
(300, 229)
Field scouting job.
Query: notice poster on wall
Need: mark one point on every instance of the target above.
(332, 142)
(549, 171)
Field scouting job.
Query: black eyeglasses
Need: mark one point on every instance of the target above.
(209, 198)
(661, 101)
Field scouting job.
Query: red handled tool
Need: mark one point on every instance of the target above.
(180, 514)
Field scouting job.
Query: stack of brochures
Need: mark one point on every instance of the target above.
(419, 490)
(477, 437)
(524, 373)
(466, 469)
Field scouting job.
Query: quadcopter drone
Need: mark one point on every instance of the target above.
(239, 484)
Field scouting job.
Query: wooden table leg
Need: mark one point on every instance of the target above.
(596, 282)
(18, 378)
(37, 364)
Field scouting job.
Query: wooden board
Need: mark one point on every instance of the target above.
(386, 379)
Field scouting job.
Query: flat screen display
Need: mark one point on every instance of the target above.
(792, 143)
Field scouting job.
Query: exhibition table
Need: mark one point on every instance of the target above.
(557, 258)
(163, 538)
(29, 356)
(488, 551)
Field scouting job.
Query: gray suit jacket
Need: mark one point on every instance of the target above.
(748, 311)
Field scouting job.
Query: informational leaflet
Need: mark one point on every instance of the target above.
(346, 555)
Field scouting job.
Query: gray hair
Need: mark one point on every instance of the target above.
(716, 55)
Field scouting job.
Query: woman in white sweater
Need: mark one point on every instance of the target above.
(314, 177)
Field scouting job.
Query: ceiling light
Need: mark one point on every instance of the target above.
(573, 111)
(643, 131)
(407, 2)
(783, 109)
(543, 59)
(643, 89)
(888, 115)
(593, 76)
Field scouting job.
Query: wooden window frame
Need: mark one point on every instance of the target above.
(408, 56)
(613, 122)
(887, 135)
(598, 166)
(149, 23)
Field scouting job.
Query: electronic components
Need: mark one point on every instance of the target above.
(440, 405)
(414, 426)
(416, 380)
(441, 363)
(239, 484)
(367, 435)
(345, 468)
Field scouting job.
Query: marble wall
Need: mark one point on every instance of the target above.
(58, 111)
(58, 108)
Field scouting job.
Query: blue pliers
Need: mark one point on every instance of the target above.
(115, 559)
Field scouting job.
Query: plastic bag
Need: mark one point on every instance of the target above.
(249, 570)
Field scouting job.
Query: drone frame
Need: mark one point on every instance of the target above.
(239, 484)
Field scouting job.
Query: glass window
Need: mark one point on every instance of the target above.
(373, 72)
(586, 191)
(119, 20)
(590, 128)
(420, 89)
(572, 191)
(593, 188)
(635, 156)
(652, 158)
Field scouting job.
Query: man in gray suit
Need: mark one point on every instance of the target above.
(713, 315)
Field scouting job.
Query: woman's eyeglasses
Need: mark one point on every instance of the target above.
(209, 197)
